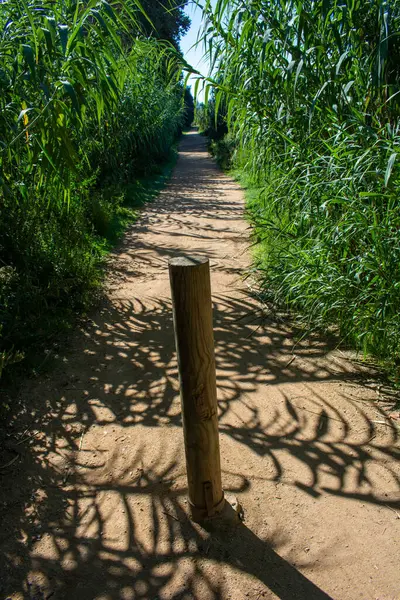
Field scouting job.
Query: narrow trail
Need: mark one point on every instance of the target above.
(95, 508)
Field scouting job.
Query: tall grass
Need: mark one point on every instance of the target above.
(87, 105)
(311, 94)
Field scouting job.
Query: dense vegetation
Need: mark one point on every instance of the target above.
(165, 20)
(90, 100)
(310, 91)
(305, 106)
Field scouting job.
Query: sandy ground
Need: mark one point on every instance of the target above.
(94, 506)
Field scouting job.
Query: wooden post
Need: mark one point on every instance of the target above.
(192, 309)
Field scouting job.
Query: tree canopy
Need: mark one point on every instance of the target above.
(169, 21)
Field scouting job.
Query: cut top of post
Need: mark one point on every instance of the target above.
(188, 261)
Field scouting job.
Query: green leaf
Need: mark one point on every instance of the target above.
(298, 71)
(100, 20)
(109, 10)
(206, 94)
(29, 57)
(218, 99)
(23, 113)
(347, 87)
(63, 31)
(389, 167)
(340, 61)
(49, 39)
(69, 88)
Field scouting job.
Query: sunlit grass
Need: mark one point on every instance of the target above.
(310, 94)
(89, 110)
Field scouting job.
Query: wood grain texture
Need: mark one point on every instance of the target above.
(191, 299)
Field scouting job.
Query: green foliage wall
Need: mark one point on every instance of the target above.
(82, 114)
(311, 93)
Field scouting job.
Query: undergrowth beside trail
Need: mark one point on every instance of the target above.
(304, 276)
(91, 104)
(44, 303)
(308, 93)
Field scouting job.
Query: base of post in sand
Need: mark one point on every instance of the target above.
(228, 512)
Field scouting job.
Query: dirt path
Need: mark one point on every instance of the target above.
(95, 506)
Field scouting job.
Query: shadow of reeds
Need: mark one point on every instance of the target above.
(94, 504)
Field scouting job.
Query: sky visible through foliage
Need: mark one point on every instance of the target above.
(194, 53)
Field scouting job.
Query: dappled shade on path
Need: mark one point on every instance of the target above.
(100, 506)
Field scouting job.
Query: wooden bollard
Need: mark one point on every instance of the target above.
(192, 309)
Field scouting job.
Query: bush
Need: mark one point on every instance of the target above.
(223, 151)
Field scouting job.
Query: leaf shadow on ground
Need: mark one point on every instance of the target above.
(93, 500)
(74, 487)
